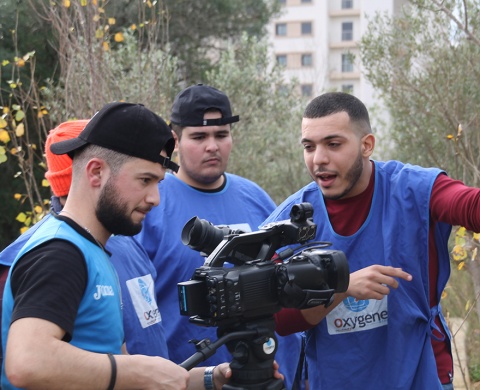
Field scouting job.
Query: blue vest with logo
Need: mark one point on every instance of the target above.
(383, 344)
(98, 325)
(242, 205)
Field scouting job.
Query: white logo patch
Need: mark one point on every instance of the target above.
(355, 316)
(142, 293)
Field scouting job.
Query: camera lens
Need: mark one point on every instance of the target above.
(202, 235)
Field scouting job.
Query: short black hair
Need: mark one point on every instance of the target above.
(333, 102)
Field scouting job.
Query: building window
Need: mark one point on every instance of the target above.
(347, 4)
(347, 88)
(307, 28)
(347, 31)
(307, 60)
(281, 29)
(347, 64)
(307, 90)
(282, 60)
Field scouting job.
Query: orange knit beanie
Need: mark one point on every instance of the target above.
(59, 173)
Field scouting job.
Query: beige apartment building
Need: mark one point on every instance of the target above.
(317, 43)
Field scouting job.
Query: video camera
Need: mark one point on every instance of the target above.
(242, 297)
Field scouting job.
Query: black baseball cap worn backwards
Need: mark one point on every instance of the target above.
(127, 128)
(190, 105)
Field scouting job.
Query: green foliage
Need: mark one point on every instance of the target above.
(199, 29)
(424, 64)
(267, 138)
(426, 71)
(125, 73)
(21, 31)
(23, 127)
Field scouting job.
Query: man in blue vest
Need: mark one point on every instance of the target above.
(142, 321)
(62, 316)
(393, 221)
(201, 120)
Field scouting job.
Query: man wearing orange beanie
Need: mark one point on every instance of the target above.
(59, 173)
(142, 320)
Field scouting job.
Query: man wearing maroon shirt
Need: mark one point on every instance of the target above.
(393, 221)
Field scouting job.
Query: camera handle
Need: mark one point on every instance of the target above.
(205, 348)
(253, 346)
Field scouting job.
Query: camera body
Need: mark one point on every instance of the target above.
(254, 285)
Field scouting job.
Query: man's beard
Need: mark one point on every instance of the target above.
(352, 176)
(111, 212)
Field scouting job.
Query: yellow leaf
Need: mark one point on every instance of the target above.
(45, 183)
(3, 123)
(461, 265)
(23, 229)
(118, 37)
(99, 33)
(20, 131)
(474, 253)
(444, 294)
(133, 27)
(13, 85)
(101, 10)
(94, 2)
(83, 3)
(34, 146)
(4, 136)
(13, 151)
(459, 130)
(16, 107)
(459, 253)
(3, 158)
(476, 236)
(96, 18)
(17, 196)
(450, 136)
(2, 151)
(460, 239)
(28, 221)
(40, 114)
(468, 305)
(38, 209)
(106, 46)
(21, 217)
(5, 62)
(6, 110)
(19, 115)
(111, 21)
(20, 62)
(66, 3)
(461, 231)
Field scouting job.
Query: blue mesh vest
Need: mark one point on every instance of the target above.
(370, 344)
(98, 326)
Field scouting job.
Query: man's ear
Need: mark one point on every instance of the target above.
(368, 144)
(96, 171)
(175, 137)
